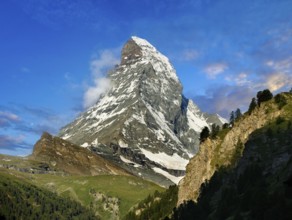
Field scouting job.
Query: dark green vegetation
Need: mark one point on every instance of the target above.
(263, 96)
(205, 133)
(21, 200)
(252, 105)
(235, 115)
(156, 206)
(107, 196)
(258, 183)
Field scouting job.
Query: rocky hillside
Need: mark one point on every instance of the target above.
(71, 158)
(143, 122)
(229, 144)
(257, 181)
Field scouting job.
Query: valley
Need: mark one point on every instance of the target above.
(107, 196)
(145, 151)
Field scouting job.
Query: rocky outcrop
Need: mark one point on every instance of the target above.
(198, 170)
(71, 158)
(143, 123)
(257, 184)
(219, 152)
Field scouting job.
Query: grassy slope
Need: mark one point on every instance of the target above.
(128, 190)
(22, 200)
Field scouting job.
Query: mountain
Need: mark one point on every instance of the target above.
(143, 123)
(72, 159)
(245, 172)
(97, 186)
(215, 153)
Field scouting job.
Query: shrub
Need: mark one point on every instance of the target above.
(280, 100)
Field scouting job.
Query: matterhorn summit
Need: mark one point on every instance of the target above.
(143, 123)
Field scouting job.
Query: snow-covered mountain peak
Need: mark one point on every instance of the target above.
(143, 43)
(140, 50)
(143, 123)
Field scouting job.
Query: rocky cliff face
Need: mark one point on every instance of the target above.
(143, 123)
(214, 154)
(258, 184)
(72, 159)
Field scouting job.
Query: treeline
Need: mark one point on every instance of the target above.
(156, 206)
(20, 200)
(262, 96)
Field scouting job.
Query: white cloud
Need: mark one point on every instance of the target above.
(99, 66)
(284, 65)
(9, 116)
(107, 58)
(225, 98)
(12, 143)
(281, 74)
(214, 69)
(189, 54)
(240, 79)
(277, 81)
(93, 93)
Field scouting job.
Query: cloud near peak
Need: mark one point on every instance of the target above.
(99, 66)
(92, 94)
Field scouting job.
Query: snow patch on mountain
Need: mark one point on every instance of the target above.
(123, 144)
(95, 142)
(66, 136)
(174, 179)
(129, 162)
(84, 144)
(196, 120)
(160, 119)
(174, 161)
(160, 62)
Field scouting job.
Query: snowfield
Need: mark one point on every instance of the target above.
(174, 161)
(174, 179)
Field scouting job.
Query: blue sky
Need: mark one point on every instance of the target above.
(53, 51)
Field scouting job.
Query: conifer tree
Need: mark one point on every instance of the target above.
(214, 130)
(205, 133)
(237, 114)
(264, 96)
(232, 118)
(252, 105)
